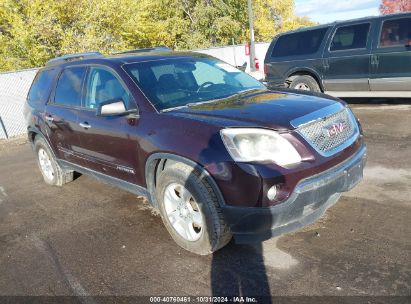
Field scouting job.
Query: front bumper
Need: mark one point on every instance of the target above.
(308, 202)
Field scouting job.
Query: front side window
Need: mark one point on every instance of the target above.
(396, 32)
(69, 87)
(102, 85)
(350, 37)
(300, 43)
(179, 81)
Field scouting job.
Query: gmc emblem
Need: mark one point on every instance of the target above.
(336, 128)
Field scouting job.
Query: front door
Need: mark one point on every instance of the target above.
(61, 114)
(391, 68)
(347, 59)
(107, 143)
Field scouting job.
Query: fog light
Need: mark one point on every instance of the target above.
(272, 193)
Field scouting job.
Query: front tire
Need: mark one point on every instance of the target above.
(190, 210)
(52, 173)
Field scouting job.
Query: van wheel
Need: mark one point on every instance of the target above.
(304, 83)
(52, 173)
(190, 211)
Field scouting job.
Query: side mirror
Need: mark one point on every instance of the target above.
(114, 107)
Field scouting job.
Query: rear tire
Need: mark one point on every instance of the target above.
(190, 210)
(52, 173)
(304, 83)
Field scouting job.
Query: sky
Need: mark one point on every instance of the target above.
(325, 11)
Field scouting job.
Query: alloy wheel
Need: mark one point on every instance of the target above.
(45, 164)
(183, 212)
(303, 87)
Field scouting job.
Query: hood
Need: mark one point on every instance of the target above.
(263, 108)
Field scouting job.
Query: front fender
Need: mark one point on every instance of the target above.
(151, 166)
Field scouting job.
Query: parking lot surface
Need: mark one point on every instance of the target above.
(89, 238)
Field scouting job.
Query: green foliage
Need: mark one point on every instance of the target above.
(33, 31)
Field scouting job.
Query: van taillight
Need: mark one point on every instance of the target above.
(265, 69)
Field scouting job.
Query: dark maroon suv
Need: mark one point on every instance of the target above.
(218, 153)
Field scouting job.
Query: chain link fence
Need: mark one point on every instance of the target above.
(14, 87)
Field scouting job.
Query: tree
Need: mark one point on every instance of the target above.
(33, 31)
(274, 17)
(395, 6)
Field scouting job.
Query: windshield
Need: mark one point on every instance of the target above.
(177, 82)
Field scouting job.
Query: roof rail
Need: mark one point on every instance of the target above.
(72, 57)
(145, 50)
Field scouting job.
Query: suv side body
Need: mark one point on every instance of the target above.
(142, 148)
(369, 57)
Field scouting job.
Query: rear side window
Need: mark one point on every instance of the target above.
(69, 87)
(350, 37)
(40, 89)
(303, 43)
(396, 32)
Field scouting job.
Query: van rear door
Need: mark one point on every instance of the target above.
(391, 60)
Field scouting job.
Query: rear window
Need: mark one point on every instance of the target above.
(69, 87)
(41, 87)
(396, 32)
(350, 37)
(303, 43)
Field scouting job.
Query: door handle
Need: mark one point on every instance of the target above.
(85, 125)
(326, 64)
(374, 60)
(49, 118)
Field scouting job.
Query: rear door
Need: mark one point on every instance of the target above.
(108, 144)
(61, 113)
(347, 58)
(391, 61)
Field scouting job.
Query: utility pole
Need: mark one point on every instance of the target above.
(252, 42)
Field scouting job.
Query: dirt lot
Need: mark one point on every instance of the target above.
(89, 238)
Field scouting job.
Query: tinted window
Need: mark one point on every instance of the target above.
(69, 86)
(40, 89)
(304, 43)
(181, 81)
(350, 37)
(103, 85)
(396, 32)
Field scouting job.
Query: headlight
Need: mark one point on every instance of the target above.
(253, 144)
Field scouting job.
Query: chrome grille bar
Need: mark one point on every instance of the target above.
(331, 133)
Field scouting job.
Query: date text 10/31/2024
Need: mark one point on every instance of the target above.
(188, 299)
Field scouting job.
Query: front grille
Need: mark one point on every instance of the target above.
(328, 134)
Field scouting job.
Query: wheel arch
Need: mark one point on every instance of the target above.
(32, 133)
(305, 71)
(157, 162)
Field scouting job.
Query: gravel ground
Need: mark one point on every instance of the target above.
(91, 239)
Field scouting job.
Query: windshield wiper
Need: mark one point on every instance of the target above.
(249, 90)
(192, 104)
(174, 108)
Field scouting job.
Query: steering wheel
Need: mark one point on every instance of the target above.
(204, 85)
